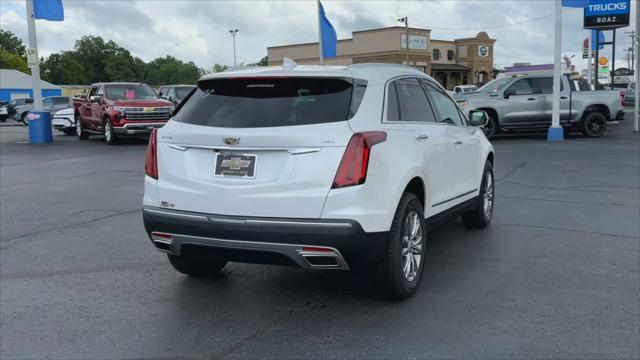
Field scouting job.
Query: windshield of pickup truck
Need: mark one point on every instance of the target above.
(130, 92)
(494, 86)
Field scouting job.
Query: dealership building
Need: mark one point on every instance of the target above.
(451, 62)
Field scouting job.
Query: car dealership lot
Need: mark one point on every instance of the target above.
(556, 274)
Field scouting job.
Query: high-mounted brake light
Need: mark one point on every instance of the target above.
(151, 160)
(355, 161)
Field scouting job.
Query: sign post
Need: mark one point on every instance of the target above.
(637, 71)
(32, 56)
(556, 133)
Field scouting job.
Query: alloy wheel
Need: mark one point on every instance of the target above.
(412, 245)
(487, 201)
(107, 131)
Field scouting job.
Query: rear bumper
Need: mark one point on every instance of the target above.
(137, 128)
(266, 240)
(619, 115)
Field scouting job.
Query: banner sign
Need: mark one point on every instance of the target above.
(415, 42)
(607, 14)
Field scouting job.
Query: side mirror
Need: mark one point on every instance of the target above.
(478, 118)
(95, 98)
(509, 92)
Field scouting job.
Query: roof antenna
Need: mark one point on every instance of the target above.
(287, 63)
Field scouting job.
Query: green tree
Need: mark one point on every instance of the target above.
(219, 68)
(11, 43)
(169, 70)
(9, 60)
(63, 69)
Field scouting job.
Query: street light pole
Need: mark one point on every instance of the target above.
(233, 34)
(405, 20)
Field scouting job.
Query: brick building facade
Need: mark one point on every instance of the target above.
(456, 62)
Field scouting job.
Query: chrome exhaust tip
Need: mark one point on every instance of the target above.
(322, 258)
(162, 241)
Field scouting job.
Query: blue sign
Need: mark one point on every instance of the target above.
(607, 14)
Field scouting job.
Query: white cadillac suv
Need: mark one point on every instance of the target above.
(319, 167)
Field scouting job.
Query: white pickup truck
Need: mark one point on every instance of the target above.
(525, 102)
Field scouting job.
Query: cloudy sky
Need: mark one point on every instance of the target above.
(198, 30)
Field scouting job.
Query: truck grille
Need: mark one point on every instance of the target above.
(142, 114)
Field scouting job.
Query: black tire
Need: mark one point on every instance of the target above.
(480, 216)
(393, 276)
(110, 138)
(491, 128)
(80, 132)
(69, 131)
(594, 125)
(23, 118)
(197, 266)
(566, 130)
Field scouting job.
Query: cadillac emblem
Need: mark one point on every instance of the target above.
(231, 140)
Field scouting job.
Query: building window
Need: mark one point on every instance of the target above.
(436, 54)
(465, 80)
(450, 55)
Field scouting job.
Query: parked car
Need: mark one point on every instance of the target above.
(120, 109)
(525, 102)
(175, 93)
(4, 112)
(22, 107)
(342, 168)
(629, 95)
(19, 108)
(461, 89)
(64, 121)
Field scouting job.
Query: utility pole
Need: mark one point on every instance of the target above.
(233, 34)
(405, 20)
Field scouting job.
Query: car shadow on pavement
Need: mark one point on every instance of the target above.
(449, 241)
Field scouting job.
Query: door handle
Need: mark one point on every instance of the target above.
(563, 98)
(531, 99)
(422, 137)
(458, 142)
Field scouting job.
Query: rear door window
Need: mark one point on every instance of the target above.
(414, 105)
(270, 102)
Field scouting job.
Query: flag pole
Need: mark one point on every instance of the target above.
(35, 69)
(320, 34)
(556, 132)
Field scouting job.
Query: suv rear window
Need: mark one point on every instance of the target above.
(270, 102)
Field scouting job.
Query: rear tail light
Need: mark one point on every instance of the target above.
(355, 161)
(151, 160)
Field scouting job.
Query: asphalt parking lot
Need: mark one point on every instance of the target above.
(556, 275)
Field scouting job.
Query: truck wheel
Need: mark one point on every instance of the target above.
(109, 137)
(481, 215)
(491, 128)
(23, 119)
(401, 270)
(197, 266)
(82, 135)
(594, 125)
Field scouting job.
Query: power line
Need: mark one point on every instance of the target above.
(489, 27)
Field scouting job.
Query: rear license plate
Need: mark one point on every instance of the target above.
(235, 165)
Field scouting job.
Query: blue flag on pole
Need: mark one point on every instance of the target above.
(328, 35)
(575, 3)
(48, 10)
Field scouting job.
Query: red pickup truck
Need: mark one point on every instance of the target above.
(120, 109)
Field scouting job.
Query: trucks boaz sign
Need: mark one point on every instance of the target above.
(606, 14)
